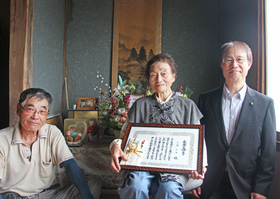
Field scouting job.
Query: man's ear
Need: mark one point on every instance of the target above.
(249, 65)
(18, 109)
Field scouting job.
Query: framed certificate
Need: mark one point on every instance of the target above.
(173, 148)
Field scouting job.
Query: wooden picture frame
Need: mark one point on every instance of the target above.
(137, 28)
(86, 103)
(172, 148)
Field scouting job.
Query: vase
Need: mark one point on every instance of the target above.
(117, 133)
(101, 135)
(109, 131)
(94, 138)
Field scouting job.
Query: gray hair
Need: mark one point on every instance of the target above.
(160, 58)
(38, 93)
(229, 45)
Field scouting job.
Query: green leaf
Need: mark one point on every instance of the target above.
(138, 88)
(188, 91)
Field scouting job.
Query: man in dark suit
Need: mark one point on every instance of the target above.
(240, 132)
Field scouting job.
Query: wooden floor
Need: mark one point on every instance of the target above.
(109, 194)
(113, 194)
(109, 197)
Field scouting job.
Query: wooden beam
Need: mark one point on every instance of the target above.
(20, 58)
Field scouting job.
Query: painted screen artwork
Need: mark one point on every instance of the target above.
(137, 37)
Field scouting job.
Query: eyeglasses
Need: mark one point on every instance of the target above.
(31, 111)
(229, 60)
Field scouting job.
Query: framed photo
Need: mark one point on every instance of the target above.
(163, 147)
(86, 103)
(136, 38)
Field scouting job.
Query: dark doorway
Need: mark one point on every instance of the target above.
(4, 62)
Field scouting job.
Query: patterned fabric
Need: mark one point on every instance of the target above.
(96, 161)
(162, 109)
(178, 110)
(167, 177)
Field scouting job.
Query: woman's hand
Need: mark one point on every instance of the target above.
(117, 153)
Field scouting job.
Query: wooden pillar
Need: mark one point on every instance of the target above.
(258, 44)
(20, 58)
(64, 97)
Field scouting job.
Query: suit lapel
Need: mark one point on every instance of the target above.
(246, 110)
(217, 108)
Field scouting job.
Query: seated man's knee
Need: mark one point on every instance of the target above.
(93, 181)
(95, 184)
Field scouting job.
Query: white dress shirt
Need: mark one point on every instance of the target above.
(231, 106)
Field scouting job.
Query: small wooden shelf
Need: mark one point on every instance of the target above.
(83, 114)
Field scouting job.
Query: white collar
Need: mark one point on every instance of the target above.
(167, 99)
(241, 94)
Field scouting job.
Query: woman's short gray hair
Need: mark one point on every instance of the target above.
(160, 58)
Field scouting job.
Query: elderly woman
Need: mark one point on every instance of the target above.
(163, 107)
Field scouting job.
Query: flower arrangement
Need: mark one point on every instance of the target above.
(187, 92)
(115, 103)
(114, 108)
(118, 107)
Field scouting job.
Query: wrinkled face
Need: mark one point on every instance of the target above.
(161, 77)
(235, 66)
(32, 121)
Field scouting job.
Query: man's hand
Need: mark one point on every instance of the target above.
(196, 192)
(257, 196)
(116, 154)
(195, 175)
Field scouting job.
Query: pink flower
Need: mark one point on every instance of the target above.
(125, 114)
(112, 100)
(123, 119)
(127, 100)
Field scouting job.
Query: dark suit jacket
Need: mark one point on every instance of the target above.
(250, 156)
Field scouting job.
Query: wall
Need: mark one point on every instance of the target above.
(239, 21)
(190, 33)
(89, 44)
(48, 37)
